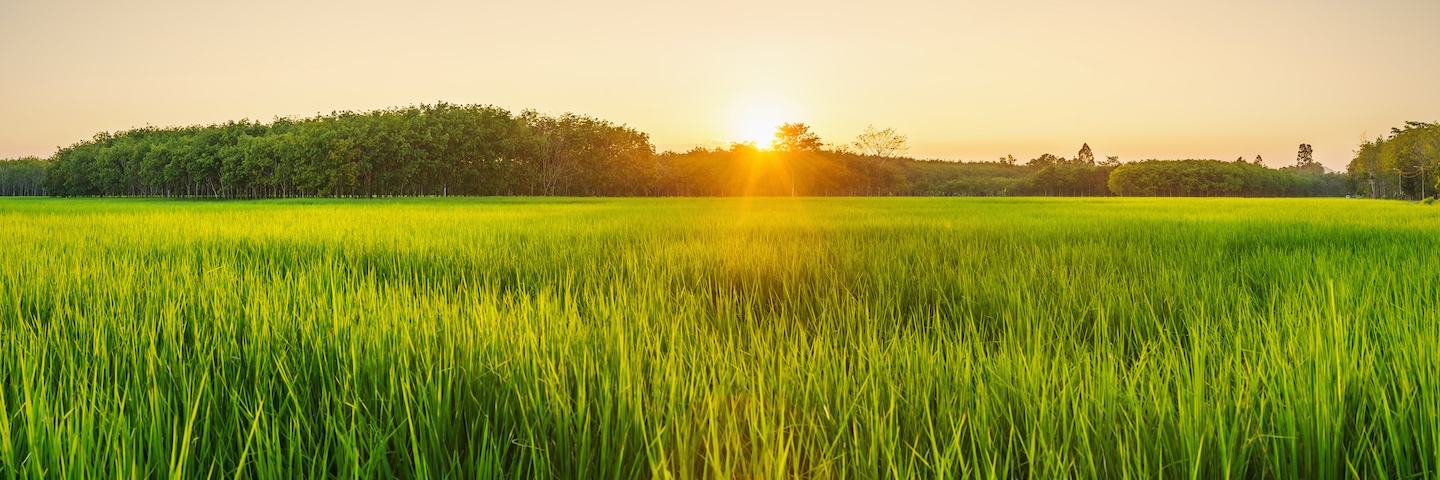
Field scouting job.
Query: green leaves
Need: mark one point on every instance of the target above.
(424, 150)
(1402, 165)
(1214, 178)
(22, 176)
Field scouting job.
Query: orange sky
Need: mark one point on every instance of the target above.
(965, 80)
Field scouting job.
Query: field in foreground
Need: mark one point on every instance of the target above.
(720, 338)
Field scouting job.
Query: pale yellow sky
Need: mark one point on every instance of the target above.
(965, 80)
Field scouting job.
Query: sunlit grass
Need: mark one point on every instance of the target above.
(715, 338)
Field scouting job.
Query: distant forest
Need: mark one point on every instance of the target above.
(23, 177)
(446, 149)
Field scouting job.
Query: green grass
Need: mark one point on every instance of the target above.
(720, 338)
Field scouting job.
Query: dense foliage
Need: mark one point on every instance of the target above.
(983, 179)
(1401, 165)
(1071, 180)
(755, 338)
(22, 177)
(427, 150)
(1214, 178)
(482, 150)
(745, 170)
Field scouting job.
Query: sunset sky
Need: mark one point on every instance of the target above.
(965, 80)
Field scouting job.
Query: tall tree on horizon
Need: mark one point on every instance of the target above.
(795, 137)
(1306, 155)
(883, 144)
(1305, 160)
(1086, 156)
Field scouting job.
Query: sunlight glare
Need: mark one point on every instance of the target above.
(755, 119)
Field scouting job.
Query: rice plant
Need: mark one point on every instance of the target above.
(719, 338)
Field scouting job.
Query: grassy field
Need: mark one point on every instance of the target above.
(720, 338)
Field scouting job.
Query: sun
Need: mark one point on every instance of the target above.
(755, 119)
(759, 128)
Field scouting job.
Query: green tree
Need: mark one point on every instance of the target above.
(1085, 156)
(23, 176)
(795, 137)
(1044, 160)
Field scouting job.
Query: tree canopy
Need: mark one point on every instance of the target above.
(1213, 178)
(885, 143)
(440, 149)
(1400, 165)
(23, 176)
(447, 149)
(796, 137)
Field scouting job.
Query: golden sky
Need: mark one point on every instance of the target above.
(965, 80)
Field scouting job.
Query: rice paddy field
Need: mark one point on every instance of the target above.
(720, 338)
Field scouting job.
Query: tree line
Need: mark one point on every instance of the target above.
(447, 149)
(868, 166)
(438, 149)
(23, 176)
(1214, 178)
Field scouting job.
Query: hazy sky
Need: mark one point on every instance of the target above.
(964, 79)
